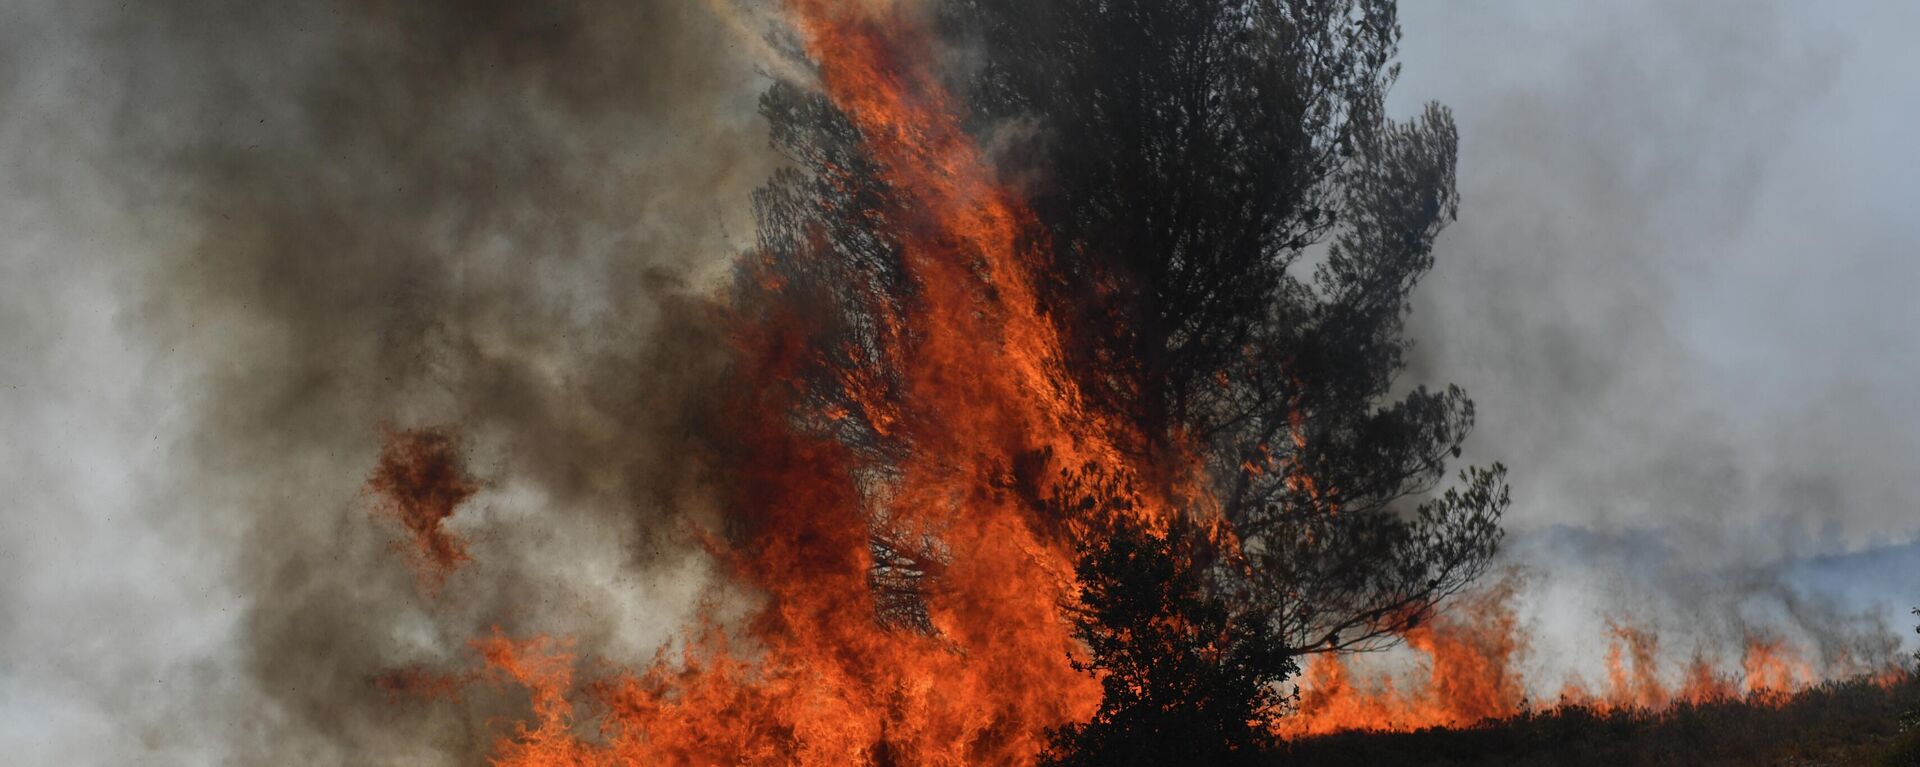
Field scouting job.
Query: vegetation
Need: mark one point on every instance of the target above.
(1845, 723)
(1185, 158)
(1856, 722)
(1905, 751)
(1185, 679)
(1229, 228)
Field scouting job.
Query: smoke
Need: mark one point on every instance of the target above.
(258, 233)
(1666, 291)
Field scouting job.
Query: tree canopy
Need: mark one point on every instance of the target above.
(1231, 228)
(1235, 231)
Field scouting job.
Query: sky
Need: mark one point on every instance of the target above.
(1679, 290)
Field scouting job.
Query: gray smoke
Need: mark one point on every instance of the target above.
(1678, 291)
(247, 235)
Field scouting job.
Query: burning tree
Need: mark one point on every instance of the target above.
(1187, 159)
(1185, 163)
(1030, 296)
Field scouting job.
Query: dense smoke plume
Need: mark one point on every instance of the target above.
(320, 220)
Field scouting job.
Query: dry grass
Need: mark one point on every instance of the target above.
(1843, 723)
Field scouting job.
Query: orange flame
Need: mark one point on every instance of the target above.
(1470, 677)
(1634, 682)
(816, 678)
(1702, 682)
(813, 678)
(1471, 658)
(1774, 669)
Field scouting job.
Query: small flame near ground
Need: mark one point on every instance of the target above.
(1471, 657)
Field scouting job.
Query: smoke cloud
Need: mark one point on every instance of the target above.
(257, 235)
(1669, 292)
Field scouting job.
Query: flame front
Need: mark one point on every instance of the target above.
(980, 394)
(1472, 663)
(818, 680)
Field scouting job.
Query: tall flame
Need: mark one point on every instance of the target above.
(811, 677)
(817, 679)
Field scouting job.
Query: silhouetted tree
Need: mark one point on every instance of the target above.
(1911, 719)
(1187, 157)
(1231, 229)
(1186, 677)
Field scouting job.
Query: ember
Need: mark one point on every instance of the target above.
(420, 482)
